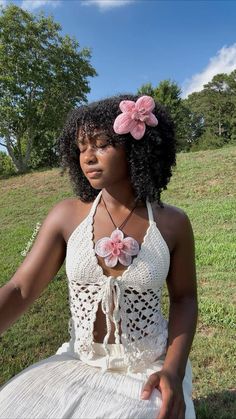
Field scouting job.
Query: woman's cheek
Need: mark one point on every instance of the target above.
(101, 151)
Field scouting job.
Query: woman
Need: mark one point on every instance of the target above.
(121, 242)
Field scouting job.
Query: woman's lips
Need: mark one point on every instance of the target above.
(94, 174)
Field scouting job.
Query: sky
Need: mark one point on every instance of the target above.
(134, 42)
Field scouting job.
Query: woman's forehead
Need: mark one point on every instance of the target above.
(90, 133)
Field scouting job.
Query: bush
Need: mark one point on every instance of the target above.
(208, 141)
(6, 166)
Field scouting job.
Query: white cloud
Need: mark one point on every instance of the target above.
(223, 62)
(35, 4)
(3, 2)
(106, 4)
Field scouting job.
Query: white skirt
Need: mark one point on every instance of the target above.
(64, 386)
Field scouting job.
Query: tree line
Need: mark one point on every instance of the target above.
(206, 119)
(43, 75)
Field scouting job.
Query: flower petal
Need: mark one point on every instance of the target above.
(123, 123)
(111, 261)
(103, 247)
(138, 131)
(151, 120)
(145, 103)
(125, 259)
(127, 105)
(131, 246)
(117, 235)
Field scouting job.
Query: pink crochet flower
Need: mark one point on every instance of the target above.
(116, 248)
(134, 116)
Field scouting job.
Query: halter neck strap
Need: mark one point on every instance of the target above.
(150, 212)
(95, 204)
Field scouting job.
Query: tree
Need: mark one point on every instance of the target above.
(216, 97)
(146, 89)
(232, 93)
(168, 93)
(42, 76)
(215, 107)
(196, 118)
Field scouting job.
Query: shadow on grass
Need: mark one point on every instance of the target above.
(221, 405)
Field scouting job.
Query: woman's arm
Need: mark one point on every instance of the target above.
(182, 289)
(38, 268)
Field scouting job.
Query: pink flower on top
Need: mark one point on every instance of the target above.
(134, 116)
(116, 248)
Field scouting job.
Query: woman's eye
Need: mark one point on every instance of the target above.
(98, 145)
(101, 143)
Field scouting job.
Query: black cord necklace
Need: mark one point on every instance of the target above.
(126, 219)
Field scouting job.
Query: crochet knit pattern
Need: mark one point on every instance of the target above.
(135, 295)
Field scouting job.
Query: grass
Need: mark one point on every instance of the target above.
(203, 185)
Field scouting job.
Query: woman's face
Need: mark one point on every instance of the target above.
(103, 164)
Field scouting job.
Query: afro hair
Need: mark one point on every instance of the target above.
(150, 159)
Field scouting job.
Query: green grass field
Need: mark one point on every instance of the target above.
(203, 184)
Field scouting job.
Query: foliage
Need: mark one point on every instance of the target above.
(207, 141)
(232, 91)
(42, 76)
(168, 94)
(206, 119)
(215, 106)
(44, 153)
(6, 165)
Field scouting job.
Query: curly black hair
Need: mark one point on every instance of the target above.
(150, 159)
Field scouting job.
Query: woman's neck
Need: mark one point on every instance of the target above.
(120, 197)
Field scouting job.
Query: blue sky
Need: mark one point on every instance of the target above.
(135, 42)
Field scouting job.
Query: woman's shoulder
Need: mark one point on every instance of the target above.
(172, 221)
(169, 212)
(70, 212)
(71, 204)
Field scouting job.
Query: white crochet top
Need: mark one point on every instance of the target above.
(136, 295)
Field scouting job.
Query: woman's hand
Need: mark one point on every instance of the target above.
(170, 386)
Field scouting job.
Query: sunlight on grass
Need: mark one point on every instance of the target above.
(203, 184)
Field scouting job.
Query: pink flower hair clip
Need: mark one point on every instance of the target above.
(135, 116)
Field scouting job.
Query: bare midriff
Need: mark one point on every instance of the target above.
(100, 327)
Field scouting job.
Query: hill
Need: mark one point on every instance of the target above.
(203, 184)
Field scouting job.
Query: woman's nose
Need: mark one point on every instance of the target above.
(90, 155)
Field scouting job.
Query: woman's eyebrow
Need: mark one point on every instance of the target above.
(98, 134)
(93, 136)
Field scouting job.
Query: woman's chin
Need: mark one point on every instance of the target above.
(96, 183)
